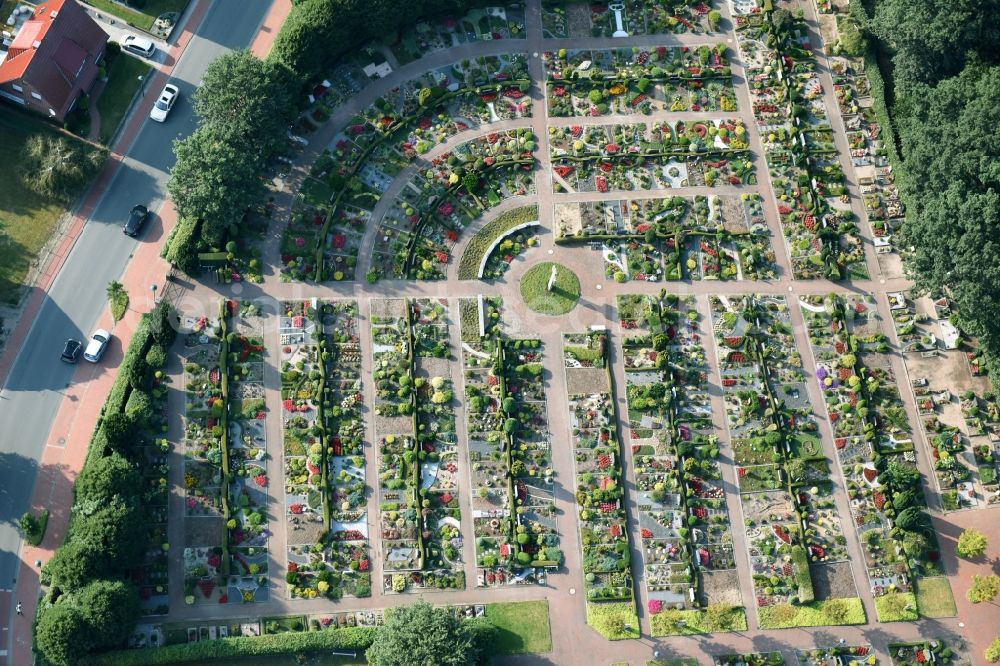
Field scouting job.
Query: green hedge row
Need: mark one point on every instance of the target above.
(142, 340)
(472, 257)
(800, 562)
(350, 639)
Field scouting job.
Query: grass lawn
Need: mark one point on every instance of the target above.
(123, 81)
(934, 597)
(27, 219)
(817, 614)
(140, 19)
(697, 622)
(564, 295)
(614, 620)
(522, 627)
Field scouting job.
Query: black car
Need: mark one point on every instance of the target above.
(136, 219)
(71, 350)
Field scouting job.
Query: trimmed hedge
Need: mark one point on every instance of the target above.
(182, 250)
(142, 341)
(475, 251)
(356, 639)
(800, 562)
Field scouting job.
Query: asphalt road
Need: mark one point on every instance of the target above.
(33, 391)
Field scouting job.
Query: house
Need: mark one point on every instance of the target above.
(53, 59)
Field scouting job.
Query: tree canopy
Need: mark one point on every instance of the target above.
(423, 635)
(933, 39)
(57, 166)
(107, 477)
(247, 100)
(951, 187)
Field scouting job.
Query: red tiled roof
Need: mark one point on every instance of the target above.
(66, 37)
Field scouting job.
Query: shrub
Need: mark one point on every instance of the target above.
(156, 357)
(971, 544)
(992, 653)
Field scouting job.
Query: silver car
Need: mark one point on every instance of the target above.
(164, 103)
(140, 46)
(97, 344)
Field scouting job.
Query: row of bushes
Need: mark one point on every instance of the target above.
(88, 605)
(355, 639)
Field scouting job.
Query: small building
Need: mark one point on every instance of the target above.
(53, 59)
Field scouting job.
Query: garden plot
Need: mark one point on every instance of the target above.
(847, 655)
(328, 535)
(791, 519)
(636, 17)
(605, 158)
(807, 180)
(485, 24)
(658, 79)
(683, 518)
(599, 482)
(248, 526)
(204, 526)
(417, 233)
(438, 452)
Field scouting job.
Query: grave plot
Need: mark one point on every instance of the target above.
(864, 407)
(600, 490)
(325, 492)
(792, 524)
(484, 424)
(959, 426)
(875, 178)
(603, 158)
(819, 228)
(848, 655)
(418, 232)
(226, 531)
(511, 465)
(481, 24)
(634, 17)
(638, 81)
(750, 659)
(206, 570)
(248, 523)
(418, 502)
(437, 440)
(347, 180)
(932, 651)
(399, 467)
(683, 520)
(701, 237)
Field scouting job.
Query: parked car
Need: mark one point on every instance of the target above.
(98, 343)
(164, 103)
(71, 350)
(140, 46)
(136, 218)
